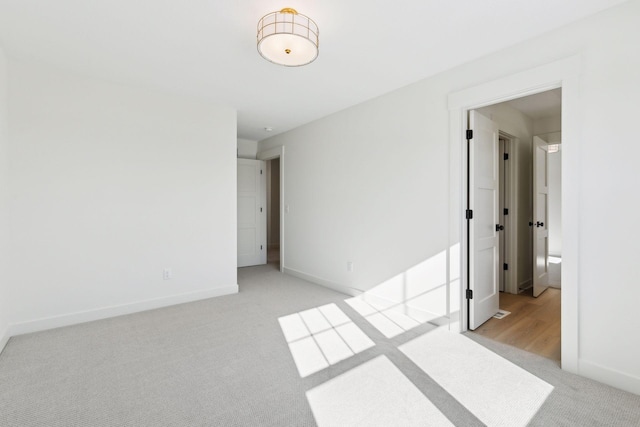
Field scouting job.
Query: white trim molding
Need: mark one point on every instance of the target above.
(621, 380)
(116, 310)
(272, 153)
(4, 339)
(323, 282)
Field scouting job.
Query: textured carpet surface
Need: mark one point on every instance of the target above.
(225, 362)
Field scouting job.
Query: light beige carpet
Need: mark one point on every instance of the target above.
(226, 362)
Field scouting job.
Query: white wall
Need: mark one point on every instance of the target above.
(370, 183)
(247, 149)
(4, 226)
(520, 126)
(111, 185)
(355, 184)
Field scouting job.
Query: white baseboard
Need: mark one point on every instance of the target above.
(609, 376)
(117, 310)
(322, 282)
(525, 285)
(4, 339)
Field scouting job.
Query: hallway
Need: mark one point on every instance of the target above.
(533, 325)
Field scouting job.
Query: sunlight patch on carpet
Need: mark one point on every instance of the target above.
(321, 337)
(375, 393)
(495, 390)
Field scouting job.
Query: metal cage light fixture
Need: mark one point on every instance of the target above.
(288, 38)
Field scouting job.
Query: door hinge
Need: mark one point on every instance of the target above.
(469, 294)
(260, 171)
(260, 208)
(469, 133)
(505, 266)
(505, 211)
(506, 156)
(469, 214)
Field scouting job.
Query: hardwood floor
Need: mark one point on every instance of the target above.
(533, 325)
(273, 256)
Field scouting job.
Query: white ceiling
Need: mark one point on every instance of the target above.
(206, 48)
(540, 105)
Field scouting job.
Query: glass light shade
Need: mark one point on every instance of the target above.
(288, 38)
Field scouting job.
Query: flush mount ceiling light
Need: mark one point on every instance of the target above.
(288, 38)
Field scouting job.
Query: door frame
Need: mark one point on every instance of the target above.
(566, 75)
(503, 202)
(270, 154)
(511, 223)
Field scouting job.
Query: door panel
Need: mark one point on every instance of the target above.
(483, 237)
(540, 217)
(252, 216)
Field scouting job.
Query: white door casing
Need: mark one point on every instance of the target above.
(483, 235)
(504, 203)
(565, 73)
(540, 223)
(252, 215)
(270, 154)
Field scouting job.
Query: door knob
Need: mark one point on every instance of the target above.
(530, 223)
(539, 224)
(499, 227)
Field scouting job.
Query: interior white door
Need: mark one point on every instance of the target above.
(540, 216)
(483, 236)
(252, 213)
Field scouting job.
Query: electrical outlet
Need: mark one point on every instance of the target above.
(166, 274)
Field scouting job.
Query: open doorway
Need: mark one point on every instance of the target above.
(562, 73)
(275, 161)
(527, 216)
(273, 212)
